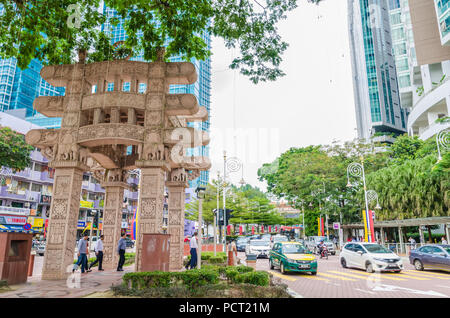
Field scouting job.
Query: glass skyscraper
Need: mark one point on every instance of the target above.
(201, 89)
(376, 90)
(443, 15)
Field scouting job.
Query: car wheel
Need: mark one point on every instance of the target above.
(271, 265)
(41, 254)
(313, 273)
(418, 265)
(282, 270)
(333, 253)
(369, 268)
(343, 263)
(397, 271)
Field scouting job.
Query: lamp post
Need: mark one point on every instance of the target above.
(442, 140)
(215, 213)
(356, 169)
(233, 164)
(200, 195)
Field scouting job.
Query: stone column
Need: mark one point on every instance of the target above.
(176, 190)
(382, 235)
(112, 221)
(400, 238)
(447, 232)
(151, 203)
(62, 227)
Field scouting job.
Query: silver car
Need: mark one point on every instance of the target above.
(312, 242)
(259, 247)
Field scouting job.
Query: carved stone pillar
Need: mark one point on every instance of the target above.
(112, 221)
(176, 222)
(151, 203)
(62, 228)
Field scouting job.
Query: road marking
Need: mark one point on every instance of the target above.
(443, 286)
(431, 274)
(381, 275)
(338, 277)
(313, 277)
(365, 291)
(356, 276)
(407, 276)
(391, 288)
(283, 276)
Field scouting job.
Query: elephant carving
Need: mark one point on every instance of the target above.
(114, 175)
(178, 175)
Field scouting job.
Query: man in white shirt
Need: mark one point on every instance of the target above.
(99, 254)
(193, 245)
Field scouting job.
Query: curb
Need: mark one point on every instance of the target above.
(293, 293)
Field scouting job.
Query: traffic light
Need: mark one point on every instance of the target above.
(220, 216)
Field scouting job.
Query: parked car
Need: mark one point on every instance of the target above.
(312, 242)
(241, 243)
(259, 247)
(278, 238)
(266, 237)
(436, 256)
(292, 257)
(129, 242)
(371, 257)
(93, 244)
(40, 249)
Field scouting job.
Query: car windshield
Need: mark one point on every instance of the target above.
(293, 249)
(242, 240)
(259, 243)
(446, 248)
(280, 238)
(377, 249)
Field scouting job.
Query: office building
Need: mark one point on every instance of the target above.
(377, 98)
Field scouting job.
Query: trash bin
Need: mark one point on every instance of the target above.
(155, 252)
(15, 250)
(251, 260)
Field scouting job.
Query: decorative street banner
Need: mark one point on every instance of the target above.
(262, 228)
(270, 229)
(320, 231)
(240, 229)
(368, 226)
(228, 229)
(253, 230)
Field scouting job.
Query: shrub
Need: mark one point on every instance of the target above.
(259, 278)
(216, 259)
(3, 283)
(191, 279)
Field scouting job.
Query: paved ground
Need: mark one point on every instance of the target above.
(77, 285)
(334, 281)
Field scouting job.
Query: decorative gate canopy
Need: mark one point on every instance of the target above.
(109, 130)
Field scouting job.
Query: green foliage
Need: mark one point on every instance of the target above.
(14, 151)
(258, 278)
(191, 279)
(405, 148)
(52, 31)
(3, 284)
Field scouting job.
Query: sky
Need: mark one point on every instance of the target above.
(313, 104)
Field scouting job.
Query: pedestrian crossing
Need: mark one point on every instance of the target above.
(353, 275)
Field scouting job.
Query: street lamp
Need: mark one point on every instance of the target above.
(356, 169)
(233, 164)
(442, 139)
(200, 195)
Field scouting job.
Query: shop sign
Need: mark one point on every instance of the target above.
(13, 220)
(46, 199)
(81, 225)
(86, 204)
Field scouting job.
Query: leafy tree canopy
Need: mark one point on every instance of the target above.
(14, 151)
(53, 30)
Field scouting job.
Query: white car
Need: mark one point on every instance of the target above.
(371, 257)
(278, 238)
(259, 247)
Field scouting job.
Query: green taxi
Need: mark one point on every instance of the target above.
(292, 257)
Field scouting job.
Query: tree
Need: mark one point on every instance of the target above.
(52, 30)
(14, 151)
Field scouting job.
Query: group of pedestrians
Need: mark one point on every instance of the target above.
(83, 252)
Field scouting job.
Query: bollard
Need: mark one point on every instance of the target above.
(251, 260)
(31, 263)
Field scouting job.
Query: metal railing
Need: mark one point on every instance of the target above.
(12, 210)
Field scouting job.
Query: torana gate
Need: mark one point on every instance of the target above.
(97, 127)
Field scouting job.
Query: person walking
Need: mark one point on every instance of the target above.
(82, 255)
(99, 254)
(121, 250)
(193, 246)
(444, 241)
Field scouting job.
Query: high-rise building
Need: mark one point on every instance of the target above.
(443, 15)
(201, 89)
(431, 73)
(377, 97)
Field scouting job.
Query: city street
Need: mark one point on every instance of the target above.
(334, 281)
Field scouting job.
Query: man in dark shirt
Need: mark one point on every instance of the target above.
(121, 250)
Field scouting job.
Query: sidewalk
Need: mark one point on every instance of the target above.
(92, 282)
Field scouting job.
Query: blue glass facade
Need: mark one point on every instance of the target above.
(201, 89)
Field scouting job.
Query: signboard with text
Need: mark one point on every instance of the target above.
(13, 220)
(46, 199)
(86, 204)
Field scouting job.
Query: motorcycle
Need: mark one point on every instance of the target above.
(324, 252)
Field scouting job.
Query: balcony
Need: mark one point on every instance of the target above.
(433, 129)
(429, 100)
(24, 195)
(14, 211)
